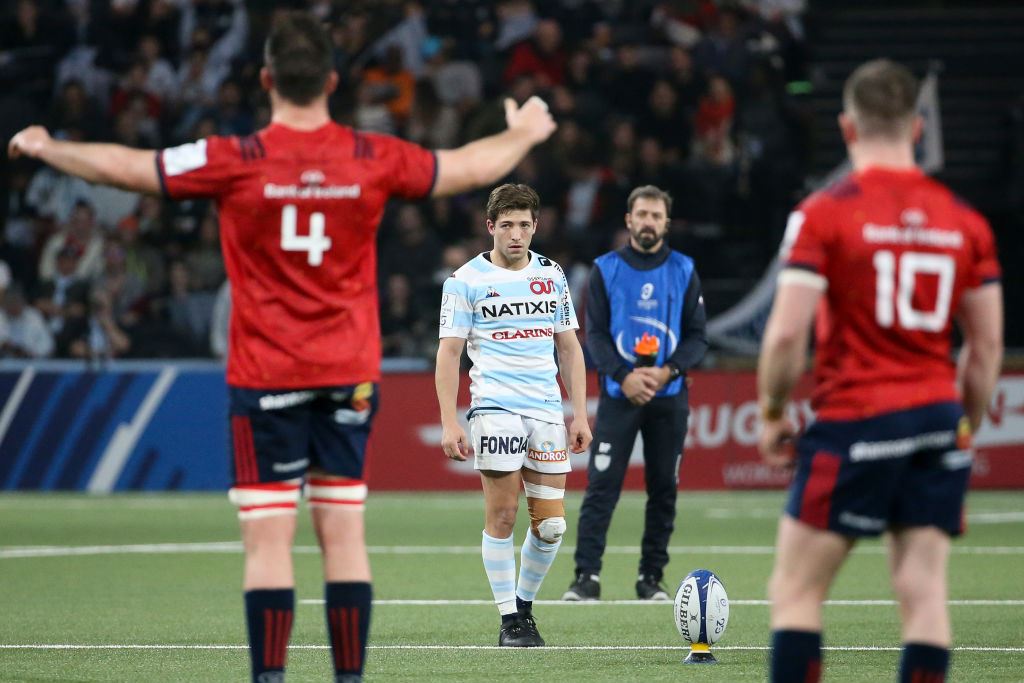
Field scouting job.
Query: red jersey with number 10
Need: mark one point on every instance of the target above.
(895, 251)
(299, 212)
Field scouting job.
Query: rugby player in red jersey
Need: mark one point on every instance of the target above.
(299, 205)
(888, 258)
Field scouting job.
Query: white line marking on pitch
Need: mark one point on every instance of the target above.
(654, 603)
(671, 648)
(13, 552)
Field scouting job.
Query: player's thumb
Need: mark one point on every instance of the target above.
(510, 110)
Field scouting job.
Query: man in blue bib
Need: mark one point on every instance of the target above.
(645, 329)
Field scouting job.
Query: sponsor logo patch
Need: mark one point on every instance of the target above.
(503, 445)
(548, 453)
(517, 308)
(513, 335)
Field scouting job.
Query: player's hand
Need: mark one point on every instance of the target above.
(29, 142)
(776, 442)
(455, 444)
(533, 118)
(579, 435)
(639, 387)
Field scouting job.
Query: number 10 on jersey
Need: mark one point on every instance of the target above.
(894, 296)
(314, 244)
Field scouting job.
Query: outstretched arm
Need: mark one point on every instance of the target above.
(486, 160)
(103, 163)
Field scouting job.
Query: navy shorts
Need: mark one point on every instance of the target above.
(907, 468)
(279, 435)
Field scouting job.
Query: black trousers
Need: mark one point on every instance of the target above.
(662, 422)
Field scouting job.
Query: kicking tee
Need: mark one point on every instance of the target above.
(509, 319)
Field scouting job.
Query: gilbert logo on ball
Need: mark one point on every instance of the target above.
(701, 614)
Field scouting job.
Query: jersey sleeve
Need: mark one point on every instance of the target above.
(412, 170)
(985, 264)
(566, 317)
(804, 250)
(456, 309)
(197, 169)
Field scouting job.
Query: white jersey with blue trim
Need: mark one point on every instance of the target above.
(509, 319)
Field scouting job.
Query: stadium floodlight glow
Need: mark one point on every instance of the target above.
(701, 614)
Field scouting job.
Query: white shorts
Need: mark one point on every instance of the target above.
(507, 442)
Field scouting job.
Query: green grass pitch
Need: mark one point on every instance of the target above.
(157, 579)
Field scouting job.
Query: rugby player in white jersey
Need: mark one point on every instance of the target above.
(513, 309)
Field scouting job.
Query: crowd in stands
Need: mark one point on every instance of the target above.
(689, 95)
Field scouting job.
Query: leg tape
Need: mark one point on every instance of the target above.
(256, 501)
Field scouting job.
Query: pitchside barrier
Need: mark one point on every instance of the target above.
(162, 426)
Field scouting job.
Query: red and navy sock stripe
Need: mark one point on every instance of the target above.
(348, 624)
(269, 614)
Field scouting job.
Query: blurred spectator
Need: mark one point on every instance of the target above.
(205, 262)
(132, 87)
(220, 26)
(516, 22)
(688, 83)
(401, 330)
(18, 239)
(53, 195)
(391, 84)
(142, 261)
(722, 50)
(160, 79)
(458, 83)
(631, 81)
(542, 57)
(219, 323)
(231, 115)
(667, 121)
(122, 289)
(73, 110)
(433, 124)
(33, 43)
(64, 301)
(682, 21)
(413, 251)
(102, 338)
(717, 108)
(190, 312)
(79, 237)
(408, 38)
(23, 331)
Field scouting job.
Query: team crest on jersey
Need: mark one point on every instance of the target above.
(313, 177)
(913, 218)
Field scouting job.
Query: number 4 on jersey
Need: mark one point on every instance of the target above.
(314, 244)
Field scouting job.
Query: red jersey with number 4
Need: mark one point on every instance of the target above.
(298, 217)
(894, 251)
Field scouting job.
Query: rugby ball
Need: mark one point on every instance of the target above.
(701, 608)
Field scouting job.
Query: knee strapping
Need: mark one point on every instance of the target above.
(256, 501)
(336, 492)
(547, 511)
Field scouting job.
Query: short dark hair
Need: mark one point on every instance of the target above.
(649, 192)
(881, 96)
(512, 197)
(298, 54)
